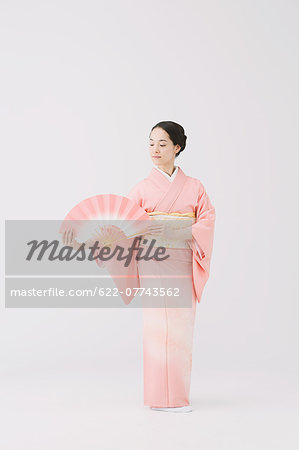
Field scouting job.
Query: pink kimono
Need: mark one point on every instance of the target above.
(168, 332)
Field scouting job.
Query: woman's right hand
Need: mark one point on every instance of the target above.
(68, 238)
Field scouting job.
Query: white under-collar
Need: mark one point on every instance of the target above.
(169, 177)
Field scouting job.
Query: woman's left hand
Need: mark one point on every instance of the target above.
(169, 232)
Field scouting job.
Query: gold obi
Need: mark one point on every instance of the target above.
(186, 219)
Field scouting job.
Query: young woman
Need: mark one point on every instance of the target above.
(168, 194)
(185, 229)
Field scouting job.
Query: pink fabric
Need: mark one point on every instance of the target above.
(184, 194)
(123, 277)
(168, 332)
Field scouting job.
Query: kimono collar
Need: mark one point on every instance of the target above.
(162, 179)
(169, 177)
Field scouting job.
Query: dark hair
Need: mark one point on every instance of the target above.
(176, 133)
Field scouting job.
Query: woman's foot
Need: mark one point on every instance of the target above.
(174, 409)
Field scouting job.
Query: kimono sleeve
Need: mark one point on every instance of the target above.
(202, 240)
(125, 278)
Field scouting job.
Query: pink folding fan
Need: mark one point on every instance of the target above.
(108, 218)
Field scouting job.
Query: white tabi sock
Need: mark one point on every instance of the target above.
(175, 409)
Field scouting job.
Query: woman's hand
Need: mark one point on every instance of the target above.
(171, 231)
(155, 229)
(68, 238)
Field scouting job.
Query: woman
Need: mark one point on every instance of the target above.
(185, 230)
(167, 193)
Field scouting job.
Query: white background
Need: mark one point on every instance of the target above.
(82, 83)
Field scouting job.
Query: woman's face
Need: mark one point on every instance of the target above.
(162, 150)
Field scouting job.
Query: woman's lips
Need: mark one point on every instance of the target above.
(156, 156)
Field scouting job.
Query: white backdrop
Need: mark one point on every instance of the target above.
(82, 83)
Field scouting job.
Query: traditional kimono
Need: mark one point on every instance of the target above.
(168, 331)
